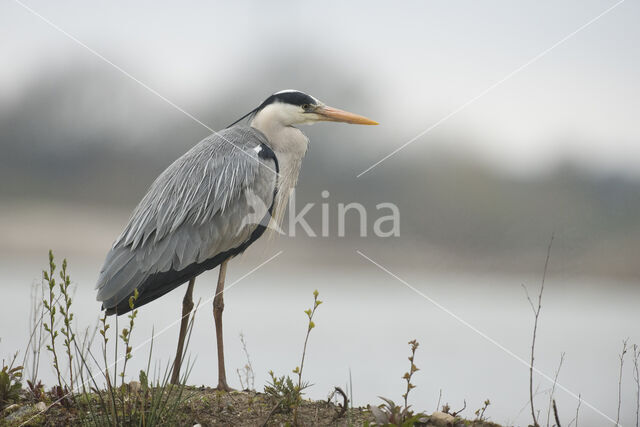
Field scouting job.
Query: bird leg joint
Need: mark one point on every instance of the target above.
(187, 304)
(218, 304)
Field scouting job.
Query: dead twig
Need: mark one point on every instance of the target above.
(536, 314)
(553, 388)
(271, 412)
(636, 377)
(456, 413)
(621, 356)
(575, 419)
(555, 413)
(247, 370)
(344, 406)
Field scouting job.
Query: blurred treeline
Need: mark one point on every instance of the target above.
(88, 135)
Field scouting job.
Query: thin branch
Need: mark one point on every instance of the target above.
(456, 413)
(536, 313)
(342, 408)
(526, 292)
(578, 408)
(553, 388)
(248, 367)
(271, 412)
(621, 356)
(350, 389)
(636, 377)
(555, 413)
(526, 404)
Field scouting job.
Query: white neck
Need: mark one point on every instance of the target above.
(276, 122)
(288, 143)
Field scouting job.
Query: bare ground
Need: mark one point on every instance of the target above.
(208, 407)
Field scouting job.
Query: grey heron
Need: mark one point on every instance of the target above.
(193, 217)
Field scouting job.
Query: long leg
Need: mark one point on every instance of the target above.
(218, 307)
(187, 306)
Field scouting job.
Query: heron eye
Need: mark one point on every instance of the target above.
(307, 107)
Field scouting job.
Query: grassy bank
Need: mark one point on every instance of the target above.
(209, 407)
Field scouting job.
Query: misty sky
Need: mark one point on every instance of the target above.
(420, 61)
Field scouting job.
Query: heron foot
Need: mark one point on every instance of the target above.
(222, 386)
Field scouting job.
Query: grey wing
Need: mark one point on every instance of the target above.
(201, 209)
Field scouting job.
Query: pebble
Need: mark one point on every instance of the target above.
(441, 419)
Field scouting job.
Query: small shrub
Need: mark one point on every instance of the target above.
(287, 394)
(10, 383)
(283, 389)
(480, 412)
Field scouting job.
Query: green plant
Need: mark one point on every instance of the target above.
(146, 402)
(126, 399)
(10, 385)
(283, 389)
(412, 369)
(67, 317)
(310, 312)
(480, 412)
(157, 403)
(126, 333)
(50, 307)
(389, 413)
(287, 393)
(150, 401)
(58, 311)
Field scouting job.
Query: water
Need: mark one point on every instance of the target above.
(365, 323)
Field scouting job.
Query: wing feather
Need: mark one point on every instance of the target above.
(193, 211)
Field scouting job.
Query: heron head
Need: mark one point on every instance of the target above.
(292, 107)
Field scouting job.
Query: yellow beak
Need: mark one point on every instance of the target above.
(335, 115)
